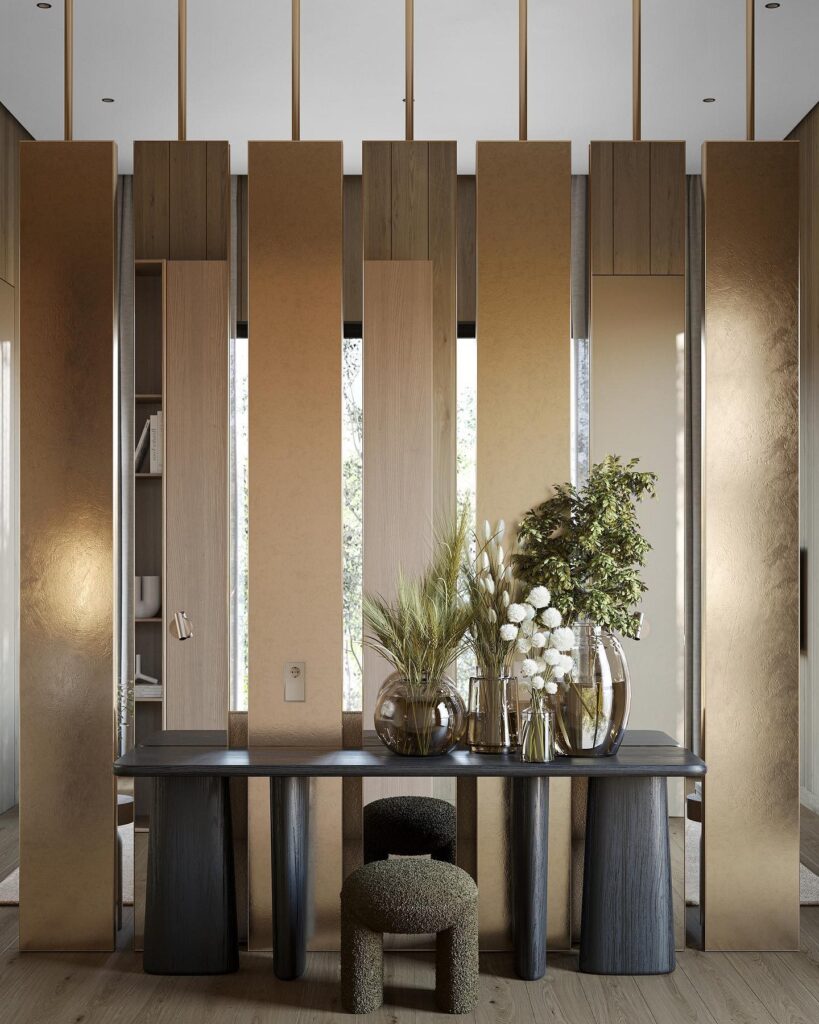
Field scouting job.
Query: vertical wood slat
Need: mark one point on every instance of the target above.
(196, 493)
(631, 191)
(524, 301)
(667, 190)
(217, 206)
(151, 199)
(12, 134)
(601, 207)
(241, 247)
(376, 181)
(410, 200)
(67, 528)
(466, 248)
(188, 205)
(295, 257)
(353, 249)
(751, 546)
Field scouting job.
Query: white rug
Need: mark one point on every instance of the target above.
(10, 886)
(808, 881)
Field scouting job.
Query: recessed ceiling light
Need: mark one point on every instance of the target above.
(710, 99)
(44, 7)
(107, 99)
(773, 7)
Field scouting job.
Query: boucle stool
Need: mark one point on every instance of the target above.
(409, 826)
(409, 897)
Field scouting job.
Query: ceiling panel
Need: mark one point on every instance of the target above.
(352, 73)
(238, 72)
(31, 66)
(787, 70)
(579, 73)
(127, 52)
(692, 50)
(466, 73)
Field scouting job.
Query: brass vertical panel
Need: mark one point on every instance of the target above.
(196, 581)
(353, 249)
(68, 520)
(631, 190)
(217, 201)
(188, 203)
(151, 199)
(601, 207)
(750, 546)
(524, 256)
(667, 207)
(295, 251)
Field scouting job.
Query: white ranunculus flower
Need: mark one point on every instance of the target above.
(551, 618)
(538, 682)
(516, 613)
(528, 668)
(530, 611)
(539, 597)
(551, 687)
(552, 657)
(541, 666)
(509, 631)
(523, 645)
(566, 664)
(538, 640)
(562, 639)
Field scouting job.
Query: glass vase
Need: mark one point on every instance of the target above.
(492, 726)
(537, 734)
(592, 704)
(419, 719)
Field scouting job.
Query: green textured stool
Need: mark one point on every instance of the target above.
(409, 897)
(409, 826)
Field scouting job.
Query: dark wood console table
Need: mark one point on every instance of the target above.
(190, 919)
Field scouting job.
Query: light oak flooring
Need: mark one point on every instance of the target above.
(706, 988)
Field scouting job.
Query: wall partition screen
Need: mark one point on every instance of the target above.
(68, 663)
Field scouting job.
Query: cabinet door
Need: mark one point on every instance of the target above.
(196, 494)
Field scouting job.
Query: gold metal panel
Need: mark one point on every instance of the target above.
(750, 598)
(197, 670)
(523, 243)
(295, 243)
(67, 552)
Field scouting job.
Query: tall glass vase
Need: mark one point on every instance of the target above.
(492, 726)
(592, 705)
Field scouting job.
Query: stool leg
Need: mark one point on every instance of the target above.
(362, 966)
(456, 966)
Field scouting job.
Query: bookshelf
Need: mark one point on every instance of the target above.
(149, 504)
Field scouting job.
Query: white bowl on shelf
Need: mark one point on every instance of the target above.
(147, 596)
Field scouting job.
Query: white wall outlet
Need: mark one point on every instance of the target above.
(294, 680)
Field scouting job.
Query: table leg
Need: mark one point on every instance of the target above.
(289, 829)
(190, 907)
(628, 913)
(530, 857)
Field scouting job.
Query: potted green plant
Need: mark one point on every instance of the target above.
(584, 543)
(421, 632)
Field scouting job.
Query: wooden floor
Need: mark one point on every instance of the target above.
(706, 988)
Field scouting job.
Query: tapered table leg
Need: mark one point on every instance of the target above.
(289, 828)
(190, 907)
(628, 914)
(530, 857)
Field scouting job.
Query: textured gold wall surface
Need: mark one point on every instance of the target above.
(750, 624)
(524, 422)
(295, 240)
(68, 523)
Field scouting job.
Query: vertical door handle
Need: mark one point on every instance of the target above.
(181, 626)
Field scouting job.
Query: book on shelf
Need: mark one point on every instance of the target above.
(147, 690)
(155, 460)
(142, 445)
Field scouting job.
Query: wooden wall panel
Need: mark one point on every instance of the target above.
(353, 249)
(12, 133)
(751, 546)
(241, 247)
(295, 252)
(181, 197)
(466, 248)
(667, 208)
(631, 191)
(197, 670)
(601, 207)
(524, 258)
(68, 660)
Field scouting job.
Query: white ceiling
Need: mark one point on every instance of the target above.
(466, 71)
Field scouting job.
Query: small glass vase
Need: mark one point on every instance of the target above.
(493, 714)
(420, 719)
(592, 704)
(537, 734)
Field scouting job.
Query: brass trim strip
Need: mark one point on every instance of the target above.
(409, 69)
(523, 77)
(750, 70)
(68, 71)
(295, 69)
(182, 70)
(636, 70)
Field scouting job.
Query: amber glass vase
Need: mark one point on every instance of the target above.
(421, 719)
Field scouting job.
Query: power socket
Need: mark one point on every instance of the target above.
(294, 681)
